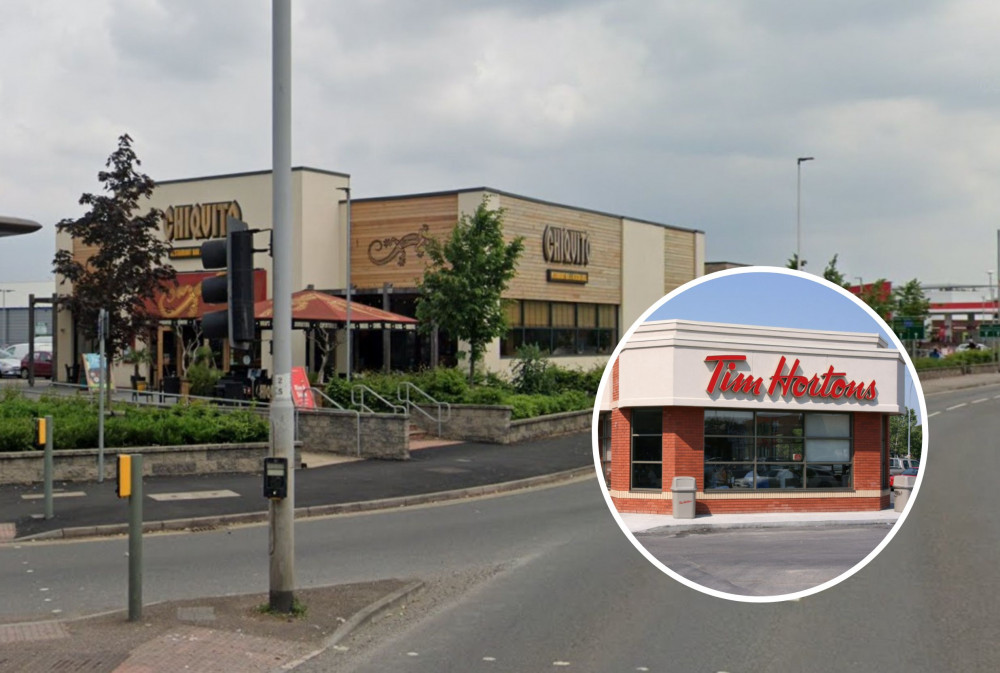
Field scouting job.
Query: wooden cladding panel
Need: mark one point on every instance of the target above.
(82, 253)
(529, 219)
(386, 236)
(678, 258)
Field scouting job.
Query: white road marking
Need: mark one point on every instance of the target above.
(957, 406)
(55, 494)
(412, 654)
(996, 397)
(194, 495)
(560, 663)
(489, 658)
(981, 399)
(933, 414)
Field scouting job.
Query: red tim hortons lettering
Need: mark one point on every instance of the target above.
(725, 365)
(831, 384)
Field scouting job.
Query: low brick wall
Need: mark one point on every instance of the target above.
(26, 467)
(492, 424)
(336, 431)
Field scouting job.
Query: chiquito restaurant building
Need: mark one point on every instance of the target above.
(764, 419)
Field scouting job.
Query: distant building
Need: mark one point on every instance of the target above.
(712, 267)
(15, 318)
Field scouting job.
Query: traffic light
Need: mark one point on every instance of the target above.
(235, 254)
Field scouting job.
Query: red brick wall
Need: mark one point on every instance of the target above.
(683, 445)
(868, 450)
(683, 455)
(819, 504)
(621, 449)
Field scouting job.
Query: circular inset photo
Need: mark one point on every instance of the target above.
(751, 434)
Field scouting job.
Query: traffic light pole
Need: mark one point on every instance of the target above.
(282, 511)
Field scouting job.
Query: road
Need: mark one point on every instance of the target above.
(544, 580)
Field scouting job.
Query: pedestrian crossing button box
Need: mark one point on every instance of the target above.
(275, 478)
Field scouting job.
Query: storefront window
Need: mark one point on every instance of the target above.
(560, 328)
(647, 448)
(777, 450)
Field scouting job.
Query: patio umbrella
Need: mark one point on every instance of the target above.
(311, 308)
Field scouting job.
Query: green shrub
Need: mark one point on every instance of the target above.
(531, 371)
(75, 424)
(446, 384)
(484, 395)
(203, 379)
(17, 434)
(339, 390)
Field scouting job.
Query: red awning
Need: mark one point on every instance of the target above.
(311, 308)
(182, 300)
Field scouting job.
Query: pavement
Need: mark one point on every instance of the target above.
(644, 523)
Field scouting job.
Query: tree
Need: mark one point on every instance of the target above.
(910, 301)
(897, 435)
(461, 290)
(126, 267)
(878, 296)
(792, 262)
(833, 274)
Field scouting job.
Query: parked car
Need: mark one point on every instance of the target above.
(898, 464)
(43, 365)
(908, 472)
(9, 366)
(18, 351)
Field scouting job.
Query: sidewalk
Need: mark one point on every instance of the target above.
(664, 523)
(951, 383)
(434, 473)
(207, 635)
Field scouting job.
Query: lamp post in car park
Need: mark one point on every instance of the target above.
(798, 211)
(6, 318)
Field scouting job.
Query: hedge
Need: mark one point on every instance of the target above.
(75, 424)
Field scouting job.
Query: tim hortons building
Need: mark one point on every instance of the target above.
(764, 419)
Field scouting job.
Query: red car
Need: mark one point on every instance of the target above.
(43, 365)
(908, 472)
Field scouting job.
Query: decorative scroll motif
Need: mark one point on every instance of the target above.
(396, 247)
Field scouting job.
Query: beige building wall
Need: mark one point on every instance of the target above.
(643, 274)
(315, 201)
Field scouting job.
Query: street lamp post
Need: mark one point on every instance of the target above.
(347, 190)
(6, 318)
(798, 210)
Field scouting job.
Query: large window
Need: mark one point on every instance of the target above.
(560, 328)
(647, 448)
(777, 450)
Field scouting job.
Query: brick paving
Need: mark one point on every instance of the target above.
(32, 631)
(196, 649)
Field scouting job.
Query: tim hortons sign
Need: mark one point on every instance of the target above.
(831, 384)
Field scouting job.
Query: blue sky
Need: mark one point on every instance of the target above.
(771, 299)
(775, 298)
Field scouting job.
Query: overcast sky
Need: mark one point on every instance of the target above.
(688, 113)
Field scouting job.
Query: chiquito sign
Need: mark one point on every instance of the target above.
(787, 381)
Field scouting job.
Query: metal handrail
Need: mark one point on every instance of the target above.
(357, 415)
(362, 388)
(406, 387)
